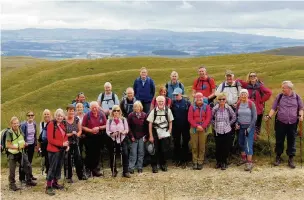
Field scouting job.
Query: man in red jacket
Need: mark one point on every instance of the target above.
(199, 116)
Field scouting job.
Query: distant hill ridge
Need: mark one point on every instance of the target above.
(288, 51)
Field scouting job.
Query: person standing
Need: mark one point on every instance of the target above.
(173, 84)
(288, 107)
(107, 99)
(144, 89)
(126, 105)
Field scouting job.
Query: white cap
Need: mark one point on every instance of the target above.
(244, 91)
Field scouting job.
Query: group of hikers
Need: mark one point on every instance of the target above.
(140, 127)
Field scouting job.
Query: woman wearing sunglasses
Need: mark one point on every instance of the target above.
(259, 94)
(29, 128)
(117, 128)
(223, 118)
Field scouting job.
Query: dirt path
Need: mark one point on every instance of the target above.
(234, 183)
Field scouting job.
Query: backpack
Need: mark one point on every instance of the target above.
(166, 116)
(4, 132)
(239, 103)
(103, 95)
(128, 108)
(208, 81)
(279, 99)
(169, 83)
(224, 86)
(253, 96)
(43, 134)
(203, 108)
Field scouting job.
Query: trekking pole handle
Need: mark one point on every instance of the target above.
(300, 128)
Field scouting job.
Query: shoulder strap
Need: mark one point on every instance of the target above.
(55, 126)
(167, 86)
(113, 97)
(223, 86)
(279, 99)
(42, 124)
(180, 85)
(167, 113)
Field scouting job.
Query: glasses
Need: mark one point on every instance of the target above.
(30, 115)
(221, 99)
(116, 110)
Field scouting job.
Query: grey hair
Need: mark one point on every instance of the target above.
(94, 103)
(288, 83)
(108, 84)
(130, 89)
(58, 112)
(159, 98)
(174, 73)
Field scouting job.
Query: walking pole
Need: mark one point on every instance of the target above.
(114, 155)
(300, 134)
(268, 134)
(80, 157)
(120, 149)
(21, 166)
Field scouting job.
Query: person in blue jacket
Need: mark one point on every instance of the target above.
(144, 89)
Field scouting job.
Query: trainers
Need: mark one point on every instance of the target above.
(291, 163)
(57, 186)
(184, 165)
(248, 166)
(49, 191)
(126, 175)
(199, 166)
(241, 162)
(31, 183)
(97, 174)
(13, 187)
(277, 161)
(194, 166)
(164, 168)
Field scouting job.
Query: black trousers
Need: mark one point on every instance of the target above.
(258, 124)
(181, 149)
(162, 147)
(73, 157)
(120, 151)
(29, 150)
(56, 161)
(285, 130)
(44, 154)
(223, 144)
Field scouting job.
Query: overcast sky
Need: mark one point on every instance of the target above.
(282, 19)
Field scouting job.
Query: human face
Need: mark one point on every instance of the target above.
(199, 101)
(229, 79)
(59, 118)
(243, 96)
(71, 113)
(94, 109)
(174, 78)
(178, 96)
(202, 72)
(15, 125)
(163, 93)
(222, 101)
(161, 104)
(286, 90)
(136, 109)
(30, 117)
(108, 89)
(79, 109)
(81, 98)
(130, 94)
(253, 77)
(143, 74)
(116, 112)
(47, 116)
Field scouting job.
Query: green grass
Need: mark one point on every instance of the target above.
(34, 84)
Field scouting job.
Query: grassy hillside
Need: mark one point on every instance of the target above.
(288, 51)
(53, 84)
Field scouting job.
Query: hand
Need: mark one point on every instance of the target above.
(67, 149)
(133, 139)
(36, 149)
(151, 139)
(199, 128)
(66, 143)
(95, 130)
(74, 132)
(237, 127)
(266, 118)
(301, 118)
(25, 144)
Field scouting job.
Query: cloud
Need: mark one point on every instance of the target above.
(269, 18)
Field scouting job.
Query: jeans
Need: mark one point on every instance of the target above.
(285, 130)
(246, 142)
(137, 154)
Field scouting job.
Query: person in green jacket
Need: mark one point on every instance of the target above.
(15, 145)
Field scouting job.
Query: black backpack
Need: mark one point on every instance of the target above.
(107, 100)
(166, 116)
(4, 132)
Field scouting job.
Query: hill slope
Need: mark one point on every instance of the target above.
(288, 51)
(54, 84)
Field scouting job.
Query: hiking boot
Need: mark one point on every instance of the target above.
(31, 183)
(131, 171)
(69, 180)
(223, 166)
(199, 166)
(194, 166)
(57, 186)
(14, 187)
(164, 168)
(248, 166)
(291, 163)
(49, 191)
(241, 162)
(277, 161)
(114, 174)
(97, 174)
(33, 178)
(126, 175)
(184, 165)
(218, 165)
(154, 169)
(140, 171)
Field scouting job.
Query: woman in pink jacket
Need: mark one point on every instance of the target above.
(199, 116)
(117, 128)
(259, 94)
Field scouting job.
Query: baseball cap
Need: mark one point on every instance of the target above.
(229, 72)
(177, 91)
